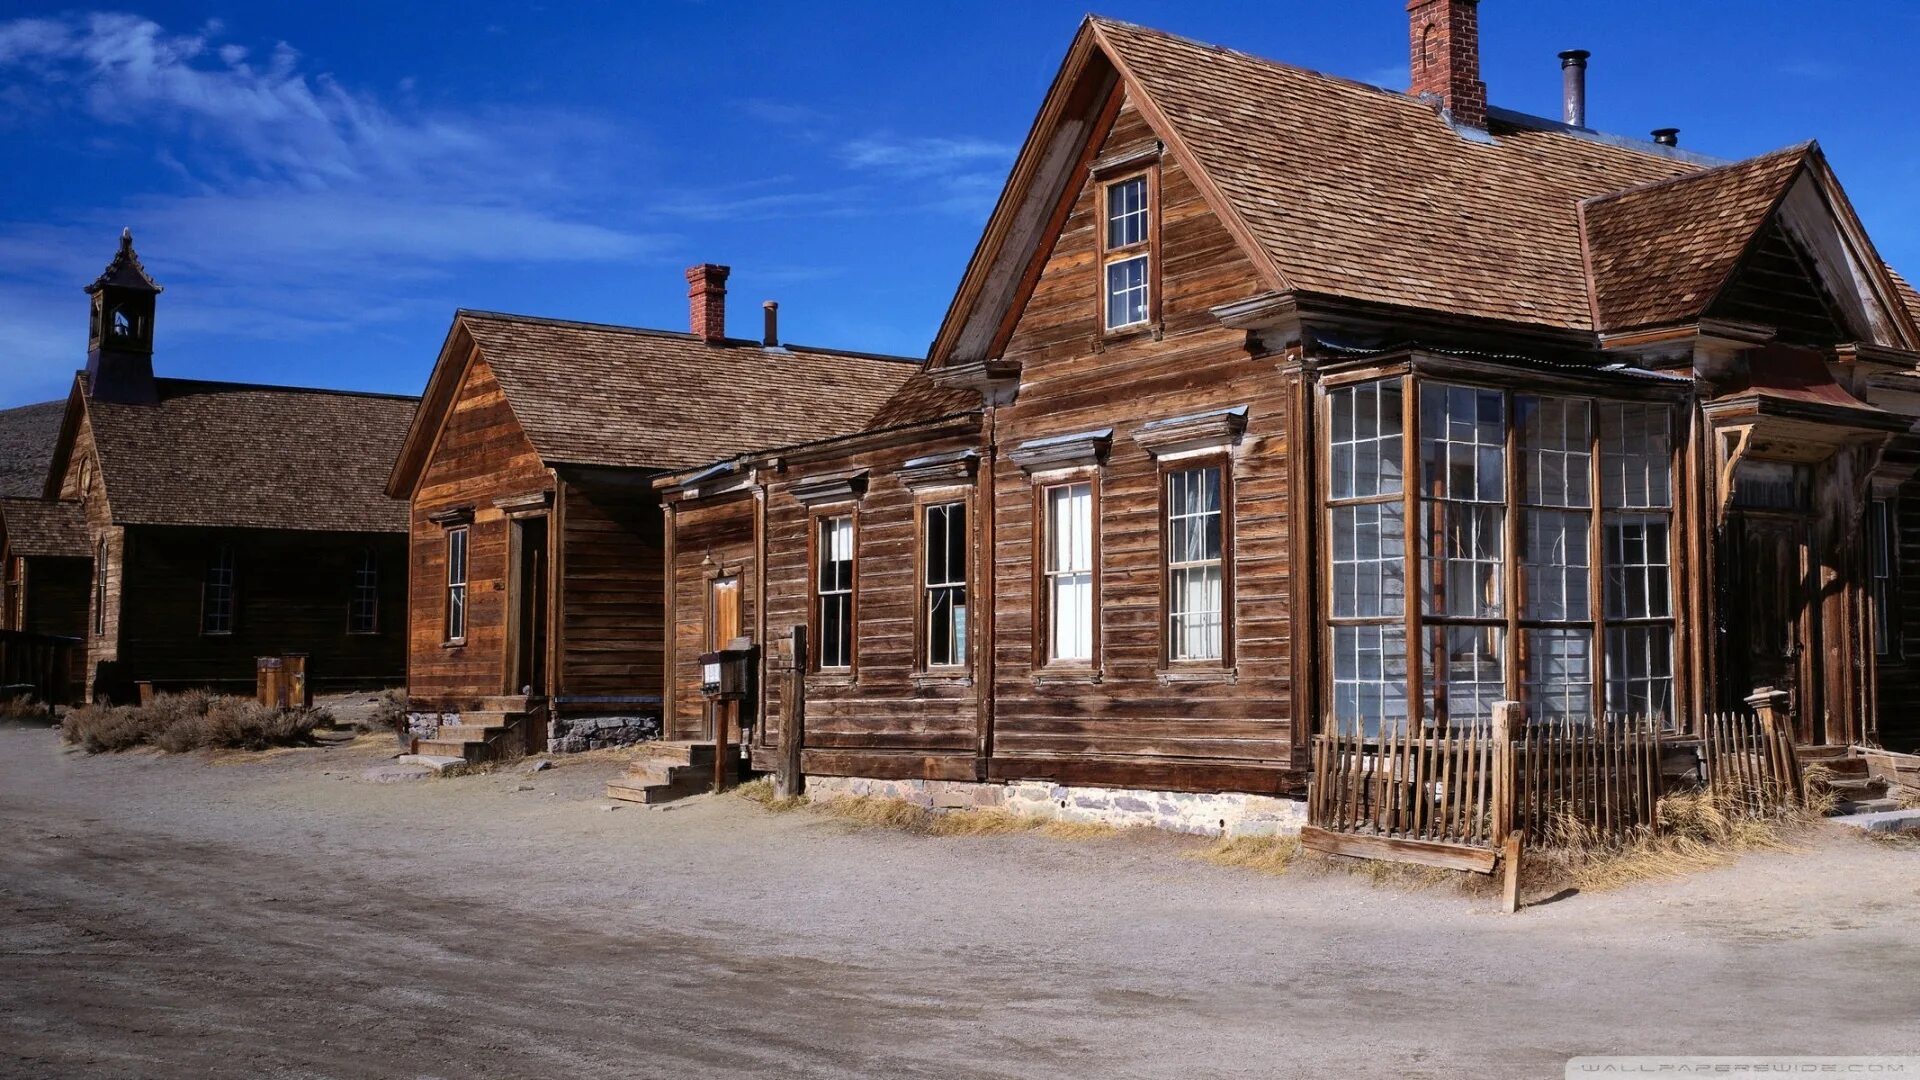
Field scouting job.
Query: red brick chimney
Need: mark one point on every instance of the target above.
(1446, 57)
(707, 301)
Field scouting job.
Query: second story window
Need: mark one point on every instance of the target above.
(946, 585)
(457, 585)
(833, 592)
(216, 594)
(363, 609)
(1125, 247)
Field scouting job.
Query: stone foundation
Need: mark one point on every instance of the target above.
(426, 725)
(1203, 814)
(573, 734)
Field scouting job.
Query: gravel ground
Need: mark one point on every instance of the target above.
(274, 916)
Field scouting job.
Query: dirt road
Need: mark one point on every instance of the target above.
(280, 918)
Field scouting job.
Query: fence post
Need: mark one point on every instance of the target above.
(1509, 720)
(789, 780)
(1770, 705)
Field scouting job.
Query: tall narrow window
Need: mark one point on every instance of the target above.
(945, 557)
(1069, 572)
(1194, 538)
(1462, 548)
(833, 591)
(1127, 239)
(1881, 545)
(1556, 608)
(457, 584)
(1367, 509)
(100, 589)
(1636, 496)
(363, 612)
(11, 615)
(216, 594)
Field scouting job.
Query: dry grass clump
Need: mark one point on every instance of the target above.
(1697, 830)
(388, 715)
(194, 720)
(26, 710)
(874, 812)
(1263, 854)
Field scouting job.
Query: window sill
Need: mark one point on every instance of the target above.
(935, 677)
(456, 643)
(1067, 676)
(1198, 674)
(1120, 335)
(830, 678)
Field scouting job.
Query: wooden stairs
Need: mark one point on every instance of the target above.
(665, 771)
(1864, 780)
(496, 731)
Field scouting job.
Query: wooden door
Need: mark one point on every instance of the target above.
(530, 608)
(723, 625)
(1767, 620)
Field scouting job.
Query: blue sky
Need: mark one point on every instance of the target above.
(320, 185)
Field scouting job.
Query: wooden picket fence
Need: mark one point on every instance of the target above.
(1457, 797)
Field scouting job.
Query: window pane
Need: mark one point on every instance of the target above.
(1556, 451)
(1069, 545)
(1640, 670)
(946, 592)
(835, 592)
(1463, 479)
(1369, 679)
(1365, 440)
(1880, 556)
(1638, 576)
(1559, 674)
(1461, 559)
(1465, 673)
(1556, 571)
(1635, 456)
(1193, 561)
(1369, 561)
(1127, 213)
(1072, 613)
(1127, 292)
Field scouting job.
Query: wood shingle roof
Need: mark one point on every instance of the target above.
(1662, 252)
(35, 526)
(243, 456)
(593, 394)
(27, 438)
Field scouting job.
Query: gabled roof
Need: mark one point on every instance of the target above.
(42, 527)
(1661, 252)
(234, 455)
(623, 397)
(27, 437)
(1344, 190)
(1908, 293)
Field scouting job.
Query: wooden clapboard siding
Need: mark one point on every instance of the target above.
(292, 593)
(708, 540)
(54, 596)
(1136, 724)
(890, 718)
(611, 592)
(481, 455)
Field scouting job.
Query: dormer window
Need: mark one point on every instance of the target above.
(1126, 252)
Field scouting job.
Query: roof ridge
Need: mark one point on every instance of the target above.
(682, 335)
(273, 387)
(1213, 46)
(1716, 171)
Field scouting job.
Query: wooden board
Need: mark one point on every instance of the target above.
(1418, 852)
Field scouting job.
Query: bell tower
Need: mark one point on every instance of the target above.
(120, 337)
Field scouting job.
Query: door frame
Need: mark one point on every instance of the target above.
(513, 677)
(1807, 692)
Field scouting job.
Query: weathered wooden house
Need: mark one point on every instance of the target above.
(536, 611)
(222, 522)
(1272, 403)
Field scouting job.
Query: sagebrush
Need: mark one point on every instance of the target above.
(194, 720)
(25, 710)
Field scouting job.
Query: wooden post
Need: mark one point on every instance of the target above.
(1770, 705)
(1509, 720)
(789, 780)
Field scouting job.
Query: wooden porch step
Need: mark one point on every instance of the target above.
(677, 753)
(469, 732)
(472, 752)
(508, 703)
(631, 790)
(1821, 753)
(1841, 768)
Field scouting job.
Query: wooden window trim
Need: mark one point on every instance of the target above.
(451, 640)
(926, 500)
(1223, 664)
(850, 673)
(1150, 247)
(353, 588)
(1044, 666)
(223, 554)
(100, 552)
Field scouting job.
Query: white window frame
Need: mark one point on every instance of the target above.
(830, 532)
(949, 588)
(1069, 545)
(1126, 243)
(459, 559)
(1198, 634)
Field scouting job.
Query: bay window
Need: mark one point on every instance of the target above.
(1517, 499)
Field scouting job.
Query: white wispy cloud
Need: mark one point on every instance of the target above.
(925, 155)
